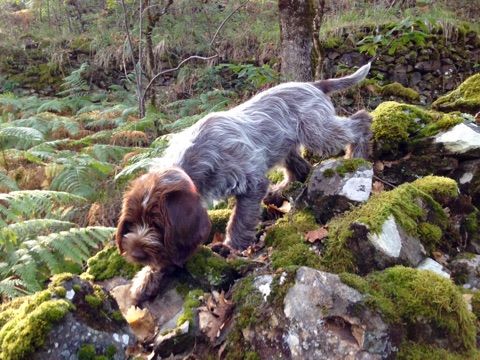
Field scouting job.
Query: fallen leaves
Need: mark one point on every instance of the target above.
(317, 234)
(215, 315)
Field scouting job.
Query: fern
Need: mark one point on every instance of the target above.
(37, 259)
(75, 83)
(109, 153)
(47, 123)
(19, 137)
(29, 204)
(6, 182)
(28, 229)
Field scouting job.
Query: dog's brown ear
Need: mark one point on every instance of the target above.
(189, 225)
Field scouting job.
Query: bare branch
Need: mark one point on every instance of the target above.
(226, 19)
(176, 68)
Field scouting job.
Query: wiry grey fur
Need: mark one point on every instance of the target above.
(229, 153)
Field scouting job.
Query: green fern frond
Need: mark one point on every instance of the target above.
(55, 105)
(90, 108)
(19, 137)
(11, 287)
(29, 204)
(29, 229)
(75, 83)
(7, 183)
(182, 123)
(109, 153)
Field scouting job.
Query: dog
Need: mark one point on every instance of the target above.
(164, 218)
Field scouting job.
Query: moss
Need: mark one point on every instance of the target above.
(430, 235)
(275, 176)
(192, 302)
(109, 263)
(397, 89)
(86, 352)
(281, 283)
(472, 222)
(395, 125)
(59, 279)
(413, 351)
(476, 304)
(464, 98)
(111, 351)
(60, 291)
(76, 287)
(408, 296)
(117, 316)
(210, 269)
(329, 173)
(219, 219)
(25, 327)
(289, 246)
(93, 301)
(403, 204)
(252, 355)
(351, 165)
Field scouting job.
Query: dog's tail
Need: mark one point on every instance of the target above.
(331, 85)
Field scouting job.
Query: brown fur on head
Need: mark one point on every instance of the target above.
(162, 220)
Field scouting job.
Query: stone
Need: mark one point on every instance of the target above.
(461, 139)
(432, 265)
(466, 271)
(391, 246)
(329, 320)
(336, 184)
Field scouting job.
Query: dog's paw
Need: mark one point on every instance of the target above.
(145, 285)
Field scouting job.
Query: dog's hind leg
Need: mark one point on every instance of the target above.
(245, 217)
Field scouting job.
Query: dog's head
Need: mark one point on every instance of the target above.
(162, 219)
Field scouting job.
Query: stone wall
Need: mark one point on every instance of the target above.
(446, 59)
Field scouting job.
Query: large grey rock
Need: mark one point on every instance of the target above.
(329, 320)
(330, 193)
(461, 139)
(432, 265)
(466, 271)
(391, 246)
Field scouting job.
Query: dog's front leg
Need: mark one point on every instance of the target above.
(146, 284)
(241, 226)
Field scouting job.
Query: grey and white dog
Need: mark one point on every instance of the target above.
(228, 154)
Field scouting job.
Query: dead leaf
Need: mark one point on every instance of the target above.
(379, 166)
(317, 234)
(214, 315)
(440, 257)
(377, 187)
(141, 321)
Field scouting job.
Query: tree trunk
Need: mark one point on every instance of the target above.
(296, 29)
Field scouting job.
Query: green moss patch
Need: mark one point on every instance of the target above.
(109, 263)
(403, 203)
(398, 90)
(351, 165)
(464, 98)
(192, 302)
(413, 351)
(26, 324)
(289, 246)
(396, 125)
(409, 296)
(210, 269)
(219, 219)
(88, 352)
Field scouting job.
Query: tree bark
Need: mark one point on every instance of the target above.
(296, 32)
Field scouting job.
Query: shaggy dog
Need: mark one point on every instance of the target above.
(163, 217)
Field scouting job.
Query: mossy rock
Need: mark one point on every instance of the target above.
(397, 126)
(211, 270)
(465, 98)
(430, 306)
(25, 322)
(108, 263)
(414, 206)
(398, 90)
(286, 238)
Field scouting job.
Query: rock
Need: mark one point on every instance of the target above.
(399, 226)
(462, 139)
(466, 270)
(334, 185)
(329, 320)
(465, 98)
(54, 326)
(432, 265)
(428, 66)
(390, 246)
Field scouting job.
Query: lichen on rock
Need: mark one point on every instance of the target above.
(464, 98)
